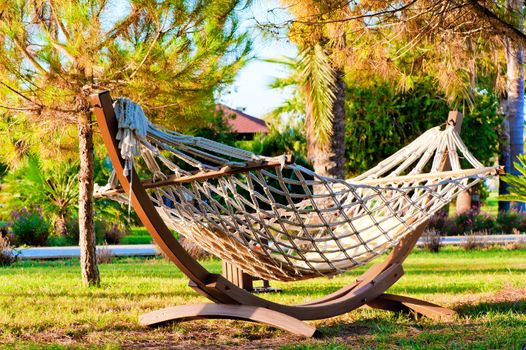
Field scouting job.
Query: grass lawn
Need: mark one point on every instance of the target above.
(491, 205)
(138, 235)
(42, 305)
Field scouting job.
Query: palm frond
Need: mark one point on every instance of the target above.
(318, 84)
(517, 182)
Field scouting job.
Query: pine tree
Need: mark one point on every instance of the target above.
(170, 56)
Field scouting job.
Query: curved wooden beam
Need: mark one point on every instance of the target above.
(400, 303)
(161, 234)
(223, 311)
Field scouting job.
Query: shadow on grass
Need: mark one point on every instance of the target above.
(104, 295)
(502, 307)
(453, 271)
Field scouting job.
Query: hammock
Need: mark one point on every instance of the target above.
(279, 220)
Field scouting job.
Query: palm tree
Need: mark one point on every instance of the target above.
(323, 88)
(514, 93)
(320, 78)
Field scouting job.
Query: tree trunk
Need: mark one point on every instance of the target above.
(88, 260)
(330, 160)
(60, 226)
(515, 90)
(463, 204)
(504, 155)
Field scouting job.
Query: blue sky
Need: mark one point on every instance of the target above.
(250, 90)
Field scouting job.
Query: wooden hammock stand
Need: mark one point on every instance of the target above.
(232, 300)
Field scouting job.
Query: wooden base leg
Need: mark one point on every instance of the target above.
(399, 303)
(227, 311)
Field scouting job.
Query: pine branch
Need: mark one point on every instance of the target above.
(29, 56)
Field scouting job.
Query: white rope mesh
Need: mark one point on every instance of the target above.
(270, 223)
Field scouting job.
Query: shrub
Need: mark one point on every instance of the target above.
(104, 231)
(471, 221)
(517, 245)
(473, 240)
(114, 233)
(431, 241)
(29, 227)
(104, 254)
(465, 222)
(510, 222)
(483, 222)
(438, 221)
(6, 255)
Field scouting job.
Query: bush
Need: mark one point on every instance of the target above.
(6, 255)
(506, 223)
(114, 233)
(104, 231)
(517, 245)
(193, 249)
(510, 222)
(104, 254)
(29, 227)
(475, 240)
(431, 241)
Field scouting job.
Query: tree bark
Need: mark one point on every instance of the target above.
(60, 226)
(504, 155)
(515, 90)
(463, 204)
(88, 260)
(329, 160)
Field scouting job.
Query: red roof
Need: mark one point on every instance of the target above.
(242, 123)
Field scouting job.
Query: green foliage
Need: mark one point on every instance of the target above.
(475, 222)
(317, 83)
(107, 209)
(53, 188)
(19, 139)
(381, 120)
(510, 222)
(289, 140)
(217, 129)
(28, 226)
(313, 80)
(106, 230)
(480, 125)
(517, 182)
(170, 56)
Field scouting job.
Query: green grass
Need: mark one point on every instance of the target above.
(43, 305)
(491, 204)
(138, 235)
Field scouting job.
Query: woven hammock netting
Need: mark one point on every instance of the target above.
(285, 222)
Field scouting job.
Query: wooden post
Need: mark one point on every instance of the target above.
(237, 276)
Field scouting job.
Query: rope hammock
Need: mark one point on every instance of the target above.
(279, 220)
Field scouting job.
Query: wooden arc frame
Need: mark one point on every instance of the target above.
(233, 302)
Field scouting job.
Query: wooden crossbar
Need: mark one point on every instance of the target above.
(204, 175)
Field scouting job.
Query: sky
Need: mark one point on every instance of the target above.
(250, 91)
